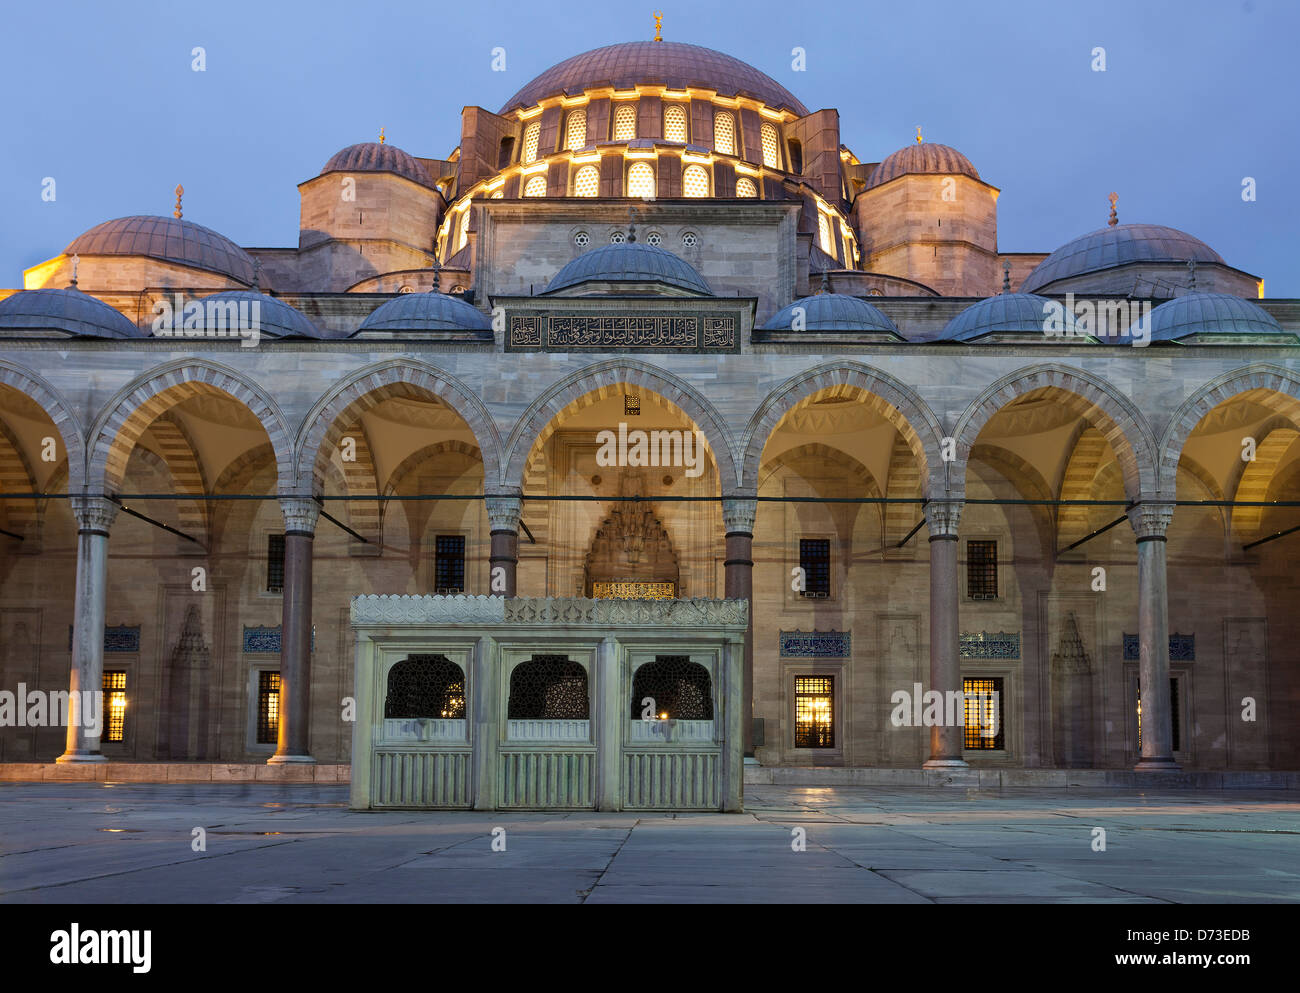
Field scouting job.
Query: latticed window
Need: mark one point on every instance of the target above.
(587, 182)
(575, 131)
(449, 563)
(624, 122)
(631, 404)
(268, 707)
(640, 180)
(678, 688)
(983, 725)
(814, 712)
(464, 230)
(275, 563)
(982, 570)
(724, 133)
(1175, 722)
(695, 181)
(548, 688)
(815, 561)
(824, 233)
(425, 686)
(745, 188)
(114, 705)
(531, 135)
(674, 123)
(771, 147)
(536, 186)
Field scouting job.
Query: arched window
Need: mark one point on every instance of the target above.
(587, 182)
(575, 132)
(464, 230)
(536, 186)
(548, 688)
(681, 689)
(624, 122)
(745, 187)
(724, 133)
(531, 134)
(695, 181)
(674, 123)
(824, 233)
(640, 180)
(425, 686)
(771, 147)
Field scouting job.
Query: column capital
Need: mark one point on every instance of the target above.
(1151, 519)
(738, 511)
(504, 510)
(942, 517)
(300, 514)
(94, 513)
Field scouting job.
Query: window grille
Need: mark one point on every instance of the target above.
(531, 135)
(464, 229)
(631, 404)
(674, 123)
(771, 147)
(814, 712)
(824, 233)
(449, 563)
(724, 133)
(587, 182)
(425, 686)
(268, 707)
(114, 705)
(815, 561)
(982, 570)
(575, 132)
(536, 186)
(983, 710)
(548, 688)
(275, 563)
(681, 689)
(640, 180)
(624, 122)
(745, 188)
(695, 181)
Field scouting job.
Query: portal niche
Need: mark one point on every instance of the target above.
(631, 556)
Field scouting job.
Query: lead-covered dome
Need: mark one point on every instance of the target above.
(1011, 314)
(273, 318)
(830, 312)
(1202, 315)
(922, 158)
(667, 63)
(434, 311)
(64, 312)
(376, 156)
(630, 262)
(168, 239)
(1121, 244)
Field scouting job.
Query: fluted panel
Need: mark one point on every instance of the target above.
(422, 779)
(664, 779)
(547, 779)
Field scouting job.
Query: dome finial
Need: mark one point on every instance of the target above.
(1006, 275)
(381, 135)
(826, 281)
(1191, 269)
(180, 190)
(659, 23)
(918, 134)
(76, 260)
(1114, 216)
(437, 271)
(631, 225)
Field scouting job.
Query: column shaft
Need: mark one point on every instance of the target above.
(295, 633)
(504, 511)
(1150, 522)
(738, 581)
(946, 739)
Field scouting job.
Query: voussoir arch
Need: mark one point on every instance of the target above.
(58, 410)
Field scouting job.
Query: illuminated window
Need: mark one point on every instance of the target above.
(464, 229)
(531, 134)
(575, 132)
(695, 181)
(114, 705)
(814, 712)
(640, 180)
(631, 404)
(587, 182)
(771, 147)
(536, 186)
(824, 234)
(499, 193)
(268, 707)
(984, 727)
(724, 133)
(1175, 723)
(449, 563)
(275, 563)
(815, 561)
(624, 122)
(745, 188)
(674, 123)
(982, 570)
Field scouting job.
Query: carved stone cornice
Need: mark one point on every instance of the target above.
(94, 513)
(943, 517)
(300, 514)
(503, 511)
(738, 512)
(402, 609)
(1151, 519)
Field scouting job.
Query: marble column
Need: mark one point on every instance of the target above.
(503, 511)
(942, 516)
(1150, 521)
(738, 511)
(300, 516)
(94, 518)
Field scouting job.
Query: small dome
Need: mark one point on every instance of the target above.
(425, 312)
(68, 310)
(630, 262)
(1210, 314)
(831, 312)
(922, 158)
(168, 239)
(275, 318)
(374, 156)
(1008, 313)
(1121, 244)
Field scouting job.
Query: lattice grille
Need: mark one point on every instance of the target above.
(268, 707)
(587, 182)
(695, 181)
(425, 686)
(674, 123)
(531, 135)
(575, 132)
(449, 563)
(724, 133)
(745, 188)
(983, 713)
(771, 147)
(548, 688)
(814, 712)
(824, 234)
(681, 689)
(536, 186)
(115, 705)
(640, 180)
(624, 122)
(982, 570)
(275, 563)
(815, 561)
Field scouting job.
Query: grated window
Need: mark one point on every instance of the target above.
(982, 570)
(114, 705)
(724, 133)
(674, 123)
(548, 688)
(982, 716)
(268, 707)
(449, 563)
(531, 135)
(640, 180)
(815, 561)
(587, 182)
(771, 147)
(745, 188)
(624, 122)
(275, 563)
(575, 131)
(678, 688)
(824, 234)
(695, 181)
(536, 186)
(814, 712)
(425, 686)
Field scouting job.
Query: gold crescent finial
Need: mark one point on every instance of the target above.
(180, 190)
(659, 23)
(381, 136)
(1114, 215)
(918, 134)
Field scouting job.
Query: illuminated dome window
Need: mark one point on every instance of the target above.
(674, 123)
(724, 133)
(536, 186)
(624, 122)
(640, 180)
(771, 147)
(499, 194)
(464, 230)
(745, 188)
(695, 181)
(824, 231)
(531, 134)
(587, 182)
(575, 134)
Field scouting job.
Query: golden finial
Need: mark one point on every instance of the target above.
(381, 136)
(1114, 216)
(918, 134)
(659, 23)
(179, 191)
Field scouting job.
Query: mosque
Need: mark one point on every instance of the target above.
(915, 480)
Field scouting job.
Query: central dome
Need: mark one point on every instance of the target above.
(671, 64)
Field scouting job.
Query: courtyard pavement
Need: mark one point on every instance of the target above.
(133, 843)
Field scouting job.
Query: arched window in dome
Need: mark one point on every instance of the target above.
(824, 234)
(536, 186)
(575, 131)
(587, 182)
(745, 188)
(724, 133)
(464, 230)
(624, 122)
(640, 180)
(695, 181)
(675, 123)
(531, 135)
(771, 147)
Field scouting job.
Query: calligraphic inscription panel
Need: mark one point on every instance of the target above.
(693, 332)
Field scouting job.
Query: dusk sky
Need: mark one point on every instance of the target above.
(1195, 97)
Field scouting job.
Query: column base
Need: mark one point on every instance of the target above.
(291, 760)
(751, 760)
(946, 764)
(1157, 765)
(80, 756)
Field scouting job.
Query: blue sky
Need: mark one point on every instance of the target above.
(1196, 96)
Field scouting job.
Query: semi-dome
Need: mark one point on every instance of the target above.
(376, 156)
(425, 312)
(922, 158)
(671, 64)
(275, 318)
(1207, 314)
(168, 239)
(1010, 314)
(1118, 245)
(630, 262)
(69, 311)
(830, 312)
